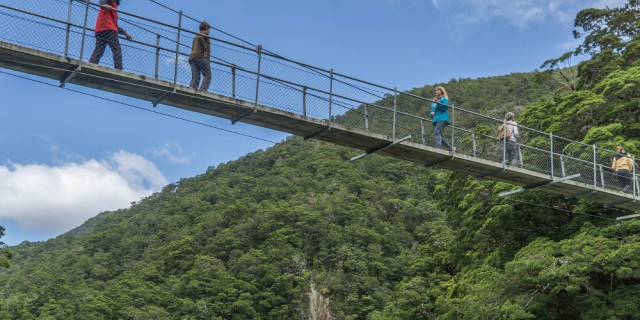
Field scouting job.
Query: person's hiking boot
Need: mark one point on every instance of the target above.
(626, 188)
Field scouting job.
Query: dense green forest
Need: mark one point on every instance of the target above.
(300, 232)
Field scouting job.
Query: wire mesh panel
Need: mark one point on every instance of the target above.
(33, 31)
(575, 158)
(475, 135)
(275, 67)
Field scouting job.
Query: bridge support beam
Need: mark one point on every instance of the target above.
(579, 194)
(490, 173)
(539, 184)
(165, 95)
(242, 116)
(376, 149)
(315, 133)
(431, 164)
(617, 203)
(70, 76)
(631, 216)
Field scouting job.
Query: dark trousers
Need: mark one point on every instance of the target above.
(198, 66)
(511, 153)
(104, 38)
(624, 179)
(439, 127)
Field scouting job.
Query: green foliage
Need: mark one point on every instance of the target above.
(5, 253)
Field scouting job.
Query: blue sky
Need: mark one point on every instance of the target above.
(65, 157)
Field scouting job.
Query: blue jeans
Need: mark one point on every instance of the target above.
(439, 139)
(511, 153)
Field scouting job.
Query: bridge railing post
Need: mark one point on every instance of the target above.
(330, 95)
(233, 81)
(157, 55)
(66, 39)
(635, 178)
(504, 143)
(366, 117)
(84, 33)
(175, 70)
(520, 156)
(475, 147)
(423, 133)
(551, 151)
(595, 168)
(304, 101)
(395, 111)
(453, 127)
(259, 51)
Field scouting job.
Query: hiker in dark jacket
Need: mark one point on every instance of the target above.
(199, 58)
(107, 31)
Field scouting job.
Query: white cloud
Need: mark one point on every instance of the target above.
(56, 199)
(520, 13)
(172, 151)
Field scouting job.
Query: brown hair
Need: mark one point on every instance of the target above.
(204, 25)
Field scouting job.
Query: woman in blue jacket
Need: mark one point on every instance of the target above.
(440, 114)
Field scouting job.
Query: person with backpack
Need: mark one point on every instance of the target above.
(440, 114)
(107, 31)
(199, 59)
(623, 166)
(507, 134)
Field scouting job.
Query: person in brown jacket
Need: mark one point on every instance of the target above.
(623, 166)
(199, 58)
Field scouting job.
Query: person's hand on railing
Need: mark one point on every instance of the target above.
(129, 37)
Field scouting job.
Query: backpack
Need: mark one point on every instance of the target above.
(501, 132)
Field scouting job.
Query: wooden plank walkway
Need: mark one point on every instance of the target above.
(128, 84)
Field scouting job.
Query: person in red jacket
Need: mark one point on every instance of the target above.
(107, 31)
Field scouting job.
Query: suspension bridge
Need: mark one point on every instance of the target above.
(255, 86)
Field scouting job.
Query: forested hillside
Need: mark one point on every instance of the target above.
(299, 232)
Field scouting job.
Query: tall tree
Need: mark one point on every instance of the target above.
(5, 253)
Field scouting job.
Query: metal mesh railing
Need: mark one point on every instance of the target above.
(160, 50)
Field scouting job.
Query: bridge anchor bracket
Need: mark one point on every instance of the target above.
(379, 148)
(243, 115)
(579, 194)
(490, 173)
(165, 95)
(317, 132)
(431, 164)
(539, 184)
(617, 203)
(70, 76)
(631, 216)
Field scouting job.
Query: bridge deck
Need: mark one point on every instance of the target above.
(149, 89)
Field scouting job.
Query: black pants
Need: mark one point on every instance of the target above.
(198, 66)
(104, 38)
(624, 179)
